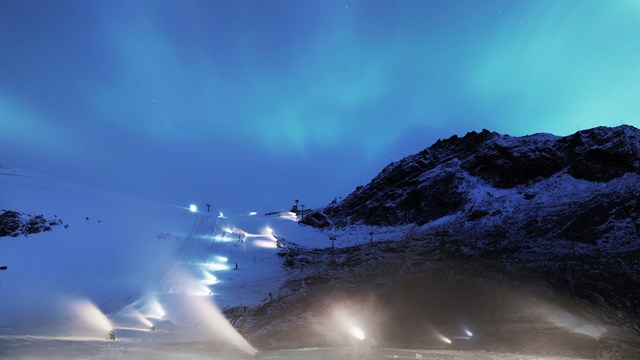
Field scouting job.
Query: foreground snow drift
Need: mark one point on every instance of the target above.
(30, 347)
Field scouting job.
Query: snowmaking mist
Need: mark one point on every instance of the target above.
(445, 305)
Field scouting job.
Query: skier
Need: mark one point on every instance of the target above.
(112, 335)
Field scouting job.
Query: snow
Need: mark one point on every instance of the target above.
(108, 248)
(135, 260)
(133, 346)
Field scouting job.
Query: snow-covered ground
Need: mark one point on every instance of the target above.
(114, 249)
(61, 347)
(137, 261)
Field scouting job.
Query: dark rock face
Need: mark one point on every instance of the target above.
(13, 223)
(604, 155)
(437, 181)
(505, 167)
(10, 223)
(599, 154)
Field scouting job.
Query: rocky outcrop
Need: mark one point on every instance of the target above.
(479, 175)
(13, 223)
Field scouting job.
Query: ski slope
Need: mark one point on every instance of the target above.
(122, 253)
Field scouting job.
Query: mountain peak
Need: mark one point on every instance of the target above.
(444, 178)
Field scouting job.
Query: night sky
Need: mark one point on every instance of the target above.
(252, 104)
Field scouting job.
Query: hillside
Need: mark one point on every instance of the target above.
(532, 239)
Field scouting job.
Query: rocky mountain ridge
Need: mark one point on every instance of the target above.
(581, 188)
(13, 223)
(534, 240)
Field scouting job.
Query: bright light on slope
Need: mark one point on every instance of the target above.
(253, 213)
(444, 338)
(224, 238)
(215, 321)
(467, 331)
(155, 309)
(267, 244)
(348, 324)
(142, 319)
(564, 319)
(193, 208)
(92, 315)
(209, 279)
(289, 216)
(268, 232)
(357, 333)
(216, 267)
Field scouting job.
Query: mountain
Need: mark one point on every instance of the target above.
(580, 188)
(532, 239)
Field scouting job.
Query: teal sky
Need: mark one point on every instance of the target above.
(255, 103)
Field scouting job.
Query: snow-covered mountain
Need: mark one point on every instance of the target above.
(580, 188)
(486, 229)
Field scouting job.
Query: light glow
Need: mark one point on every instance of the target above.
(216, 267)
(209, 279)
(569, 321)
(213, 319)
(221, 216)
(253, 213)
(467, 331)
(146, 322)
(224, 238)
(444, 338)
(193, 208)
(155, 310)
(268, 232)
(347, 323)
(92, 315)
(266, 244)
(357, 333)
(288, 215)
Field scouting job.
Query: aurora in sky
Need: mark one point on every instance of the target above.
(252, 104)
